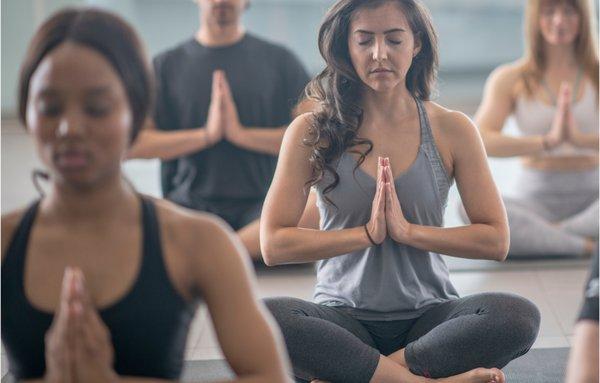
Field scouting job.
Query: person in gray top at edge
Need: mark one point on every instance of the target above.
(382, 157)
(224, 99)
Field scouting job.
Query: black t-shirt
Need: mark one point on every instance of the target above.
(266, 81)
(590, 303)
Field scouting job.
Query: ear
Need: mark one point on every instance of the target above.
(418, 44)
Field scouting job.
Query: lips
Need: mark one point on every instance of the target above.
(72, 159)
(381, 70)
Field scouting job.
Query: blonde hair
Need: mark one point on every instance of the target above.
(586, 52)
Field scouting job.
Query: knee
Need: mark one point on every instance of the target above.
(527, 322)
(283, 309)
(521, 319)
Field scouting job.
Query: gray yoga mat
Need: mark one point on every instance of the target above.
(546, 365)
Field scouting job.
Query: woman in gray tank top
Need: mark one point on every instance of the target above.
(381, 159)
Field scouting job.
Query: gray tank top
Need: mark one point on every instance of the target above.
(391, 281)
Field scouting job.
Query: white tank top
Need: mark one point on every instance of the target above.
(535, 117)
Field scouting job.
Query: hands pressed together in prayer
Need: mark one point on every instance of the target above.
(387, 218)
(564, 127)
(78, 343)
(222, 121)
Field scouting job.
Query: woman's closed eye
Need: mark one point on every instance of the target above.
(49, 108)
(98, 109)
(369, 41)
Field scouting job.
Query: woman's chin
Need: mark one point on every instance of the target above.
(383, 86)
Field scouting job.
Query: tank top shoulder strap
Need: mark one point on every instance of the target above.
(443, 180)
(426, 135)
(152, 261)
(153, 271)
(13, 265)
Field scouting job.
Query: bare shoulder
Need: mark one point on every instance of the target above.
(186, 227)
(300, 127)
(10, 222)
(453, 131)
(451, 124)
(506, 77)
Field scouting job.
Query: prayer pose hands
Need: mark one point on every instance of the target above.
(78, 345)
(387, 217)
(223, 120)
(564, 127)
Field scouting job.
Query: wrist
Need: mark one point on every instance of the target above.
(363, 239)
(206, 137)
(371, 241)
(576, 139)
(237, 135)
(549, 143)
(404, 234)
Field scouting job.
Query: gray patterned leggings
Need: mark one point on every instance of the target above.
(481, 330)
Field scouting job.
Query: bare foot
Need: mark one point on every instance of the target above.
(478, 375)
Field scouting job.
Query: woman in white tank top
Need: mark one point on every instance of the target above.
(552, 92)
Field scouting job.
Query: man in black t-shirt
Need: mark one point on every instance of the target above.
(224, 99)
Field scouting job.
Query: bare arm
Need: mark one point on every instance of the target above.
(496, 106)
(167, 145)
(487, 237)
(250, 342)
(587, 140)
(282, 240)
(263, 140)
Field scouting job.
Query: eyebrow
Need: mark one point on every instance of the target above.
(385, 32)
(94, 91)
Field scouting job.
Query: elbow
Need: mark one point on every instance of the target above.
(501, 246)
(270, 251)
(268, 257)
(500, 253)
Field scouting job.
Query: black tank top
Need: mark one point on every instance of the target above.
(149, 325)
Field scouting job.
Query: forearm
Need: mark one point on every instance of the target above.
(499, 145)
(168, 145)
(263, 140)
(475, 241)
(299, 245)
(587, 140)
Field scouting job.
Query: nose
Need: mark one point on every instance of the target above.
(380, 50)
(558, 17)
(70, 125)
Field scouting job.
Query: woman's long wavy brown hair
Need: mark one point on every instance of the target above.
(337, 89)
(586, 44)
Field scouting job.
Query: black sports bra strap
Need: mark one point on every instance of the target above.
(14, 262)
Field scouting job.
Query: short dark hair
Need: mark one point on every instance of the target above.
(109, 35)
